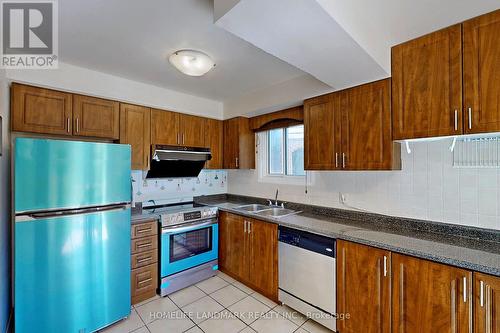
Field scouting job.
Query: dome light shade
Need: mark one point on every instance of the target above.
(191, 62)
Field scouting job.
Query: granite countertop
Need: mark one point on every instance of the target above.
(474, 251)
(144, 217)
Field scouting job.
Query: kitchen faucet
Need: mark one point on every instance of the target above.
(275, 200)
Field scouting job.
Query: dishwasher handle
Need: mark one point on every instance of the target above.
(308, 241)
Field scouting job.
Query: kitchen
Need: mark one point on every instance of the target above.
(194, 172)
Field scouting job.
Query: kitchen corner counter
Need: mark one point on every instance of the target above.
(143, 217)
(452, 248)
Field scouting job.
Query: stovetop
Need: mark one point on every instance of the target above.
(171, 215)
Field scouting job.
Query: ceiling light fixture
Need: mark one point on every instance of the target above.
(191, 62)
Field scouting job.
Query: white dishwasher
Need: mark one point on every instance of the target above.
(307, 274)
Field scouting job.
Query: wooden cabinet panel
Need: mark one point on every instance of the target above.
(239, 144)
(264, 257)
(366, 127)
(164, 127)
(363, 288)
(427, 85)
(482, 73)
(213, 140)
(40, 110)
(144, 244)
(486, 303)
(135, 127)
(144, 229)
(96, 117)
(191, 130)
(144, 258)
(430, 297)
(144, 282)
(233, 245)
(322, 132)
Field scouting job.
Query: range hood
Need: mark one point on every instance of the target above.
(177, 162)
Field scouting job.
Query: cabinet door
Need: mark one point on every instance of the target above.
(482, 73)
(233, 245)
(135, 128)
(192, 130)
(427, 85)
(264, 257)
(40, 110)
(164, 127)
(363, 288)
(366, 127)
(486, 303)
(96, 117)
(231, 144)
(213, 140)
(430, 297)
(322, 132)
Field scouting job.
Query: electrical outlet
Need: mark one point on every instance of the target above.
(342, 198)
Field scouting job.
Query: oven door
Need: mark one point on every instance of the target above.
(188, 245)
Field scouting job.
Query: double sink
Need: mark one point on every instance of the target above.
(267, 211)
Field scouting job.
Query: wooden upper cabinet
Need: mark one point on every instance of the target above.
(366, 128)
(135, 127)
(164, 127)
(430, 297)
(322, 132)
(40, 110)
(264, 257)
(363, 288)
(239, 144)
(486, 303)
(96, 117)
(191, 130)
(427, 85)
(482, 73)
(213, 140)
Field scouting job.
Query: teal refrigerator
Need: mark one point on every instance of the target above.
(71, 235)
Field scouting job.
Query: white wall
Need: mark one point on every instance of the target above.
(82, 80)
(428, 187)
(4, 206)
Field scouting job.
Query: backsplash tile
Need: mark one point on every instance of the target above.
(178, 189)
(428, 187)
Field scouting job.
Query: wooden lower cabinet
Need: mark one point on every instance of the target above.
(430, 297)
(144, 261)
(486, 303)
(248, 251)
(363, 288)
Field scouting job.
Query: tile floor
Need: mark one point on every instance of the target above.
(217, 305)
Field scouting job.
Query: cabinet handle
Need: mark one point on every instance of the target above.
(140, 231)
(145, 281)
(470, 118)
(336, 160)
(68, 123)
(245, 226)
(140, 246)
(182, 138)
(453, 306)
(343, 160)
(465, 289)
(481, 293)
(385, 265)
(237, 163)
(489, 310)
(140, 261)
(77, 126)
(456, 120)
(249, 227)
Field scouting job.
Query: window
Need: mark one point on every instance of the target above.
(285, 151)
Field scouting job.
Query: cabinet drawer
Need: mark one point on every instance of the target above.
(144, 244)
(144, 279)
(144, 229)
(144, 258)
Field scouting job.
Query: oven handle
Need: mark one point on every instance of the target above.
(187, 227)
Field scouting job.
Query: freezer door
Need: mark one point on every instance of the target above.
(59, 174)
(72, 273)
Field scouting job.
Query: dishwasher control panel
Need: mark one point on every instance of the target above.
(308, 241)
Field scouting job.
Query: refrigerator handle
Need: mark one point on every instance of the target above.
(62, 213)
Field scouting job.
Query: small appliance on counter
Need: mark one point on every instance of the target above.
(71, 235)
(307, 274)
(189, 243)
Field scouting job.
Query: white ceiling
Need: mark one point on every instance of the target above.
(132, 39)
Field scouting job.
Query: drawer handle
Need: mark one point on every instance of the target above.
(140, 246)
(145, 281)
(140, 231)
(139, 261)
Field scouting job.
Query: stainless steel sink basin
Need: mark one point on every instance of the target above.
(253, 208)
(277, 212)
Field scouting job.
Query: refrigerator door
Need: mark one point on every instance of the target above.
(59, 174)
(72, 273)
